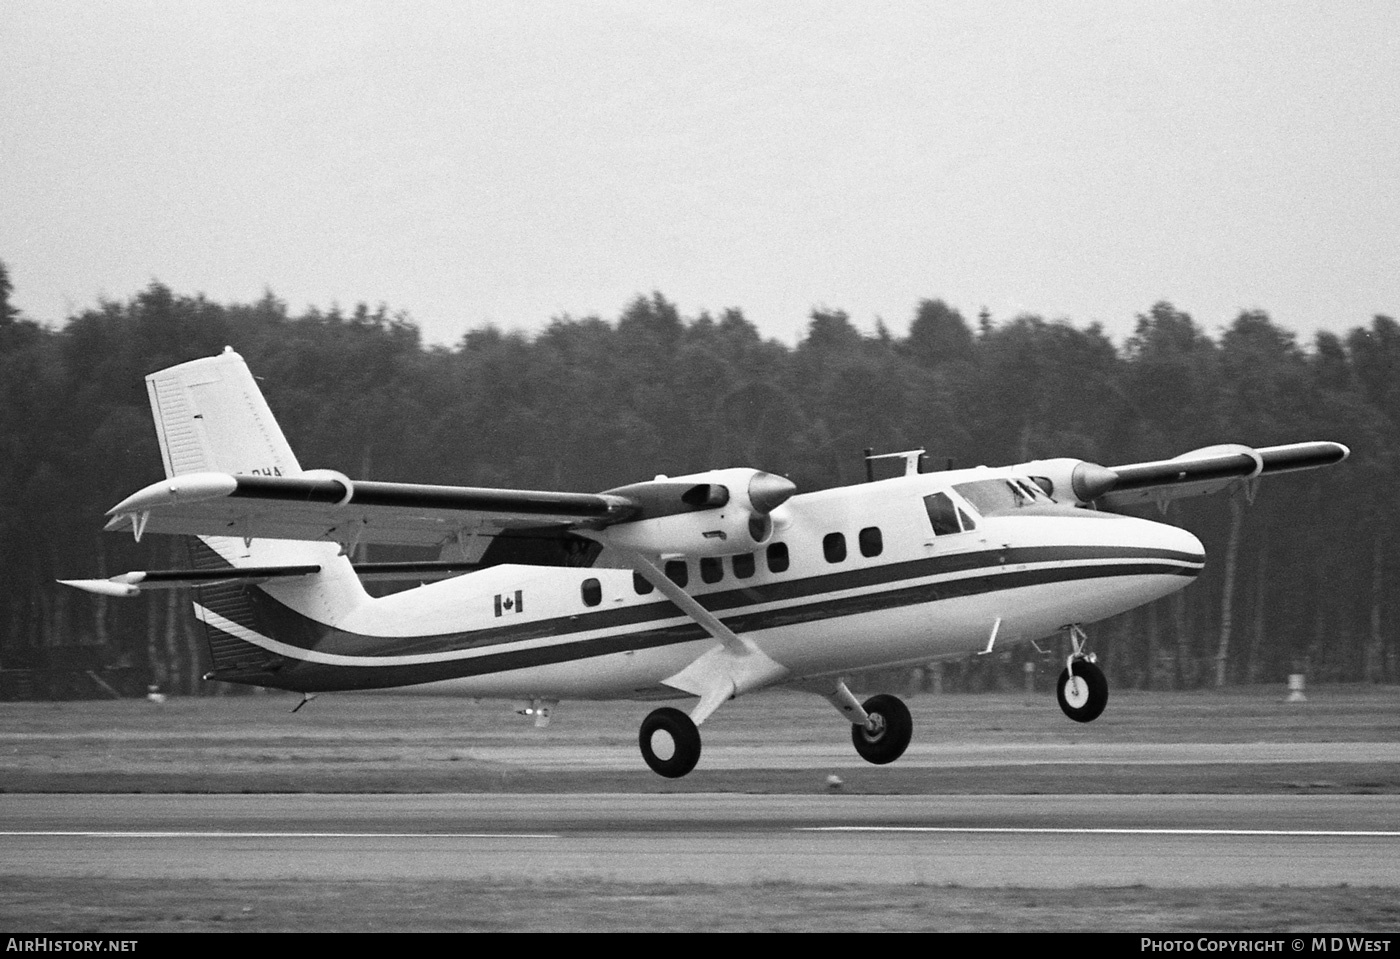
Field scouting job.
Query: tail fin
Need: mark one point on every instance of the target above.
(210, 415)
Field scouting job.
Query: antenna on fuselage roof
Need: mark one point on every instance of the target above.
(913, 461)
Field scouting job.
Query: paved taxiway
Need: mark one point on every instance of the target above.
(1050, 841)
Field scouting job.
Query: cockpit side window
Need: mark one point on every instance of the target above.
(944, 517)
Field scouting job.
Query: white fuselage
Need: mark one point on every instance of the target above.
(554, 633)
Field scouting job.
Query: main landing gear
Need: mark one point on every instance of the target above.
(880, 726)
(880, 730)
(1082, 689)
(884, 736)
(670, 742)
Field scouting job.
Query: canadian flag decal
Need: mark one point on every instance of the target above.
(508, 603)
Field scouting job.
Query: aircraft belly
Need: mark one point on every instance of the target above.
(613, 676)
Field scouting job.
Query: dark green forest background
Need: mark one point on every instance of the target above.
(1304, 579)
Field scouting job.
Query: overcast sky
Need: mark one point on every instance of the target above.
(502, 162)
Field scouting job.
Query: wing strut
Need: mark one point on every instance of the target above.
(736, 666)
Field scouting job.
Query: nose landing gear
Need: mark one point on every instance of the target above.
(1082, 689)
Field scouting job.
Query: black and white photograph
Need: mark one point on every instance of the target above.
(749, 466)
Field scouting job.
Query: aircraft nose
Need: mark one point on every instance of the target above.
(1182, 541)
(1190, 544)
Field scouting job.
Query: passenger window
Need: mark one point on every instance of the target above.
(592, 592)
(743, 565)
(834, 546)
(872, 543)
(676, 572)
(711, 569)
(641, 584)
(942, 515)
(778, 557)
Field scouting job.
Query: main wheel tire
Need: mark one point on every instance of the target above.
(1083, 695)
(670, 742)
(887, 735)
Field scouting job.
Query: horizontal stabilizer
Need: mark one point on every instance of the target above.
(138, 581)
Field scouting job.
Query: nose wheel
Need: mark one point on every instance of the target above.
(1082, 689)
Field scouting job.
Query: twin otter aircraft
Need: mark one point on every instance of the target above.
(706, 586)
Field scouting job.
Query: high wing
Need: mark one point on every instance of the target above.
(326, 507)
(1212, 469)
(1206, 470)
(231, 473)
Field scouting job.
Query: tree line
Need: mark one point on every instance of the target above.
(1303, 578)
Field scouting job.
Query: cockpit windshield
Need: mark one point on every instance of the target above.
(998, 495)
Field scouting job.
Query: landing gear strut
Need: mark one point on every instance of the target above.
(1082, 689)
(885, 735)
(670, 742)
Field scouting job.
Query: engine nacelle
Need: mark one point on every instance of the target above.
(1071, 481)
(718, 513)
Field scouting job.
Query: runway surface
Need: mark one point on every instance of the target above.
(1033, 841)
(941, 755)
